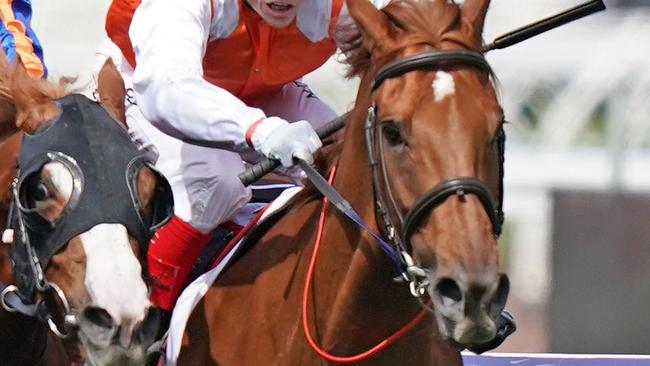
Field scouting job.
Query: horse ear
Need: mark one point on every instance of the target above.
(32, 100)
(373, 24)
(110, 87)
(473, 14)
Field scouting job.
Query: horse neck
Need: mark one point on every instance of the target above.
(366, 304)
(354, 181)
(353, 178)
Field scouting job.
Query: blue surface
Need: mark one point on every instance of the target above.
(555, 360)
(23, 12)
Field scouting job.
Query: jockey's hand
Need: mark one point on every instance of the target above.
(295, 173)
(290, 140)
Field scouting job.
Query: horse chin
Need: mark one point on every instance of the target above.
(113, 355)
(468, 333)
(464, 332)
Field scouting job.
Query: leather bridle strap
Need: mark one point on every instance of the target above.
(11, 302)
(453, 186)
(344, 207)
(450, 187)
(422, 61)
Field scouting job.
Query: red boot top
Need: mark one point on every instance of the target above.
(172, 253)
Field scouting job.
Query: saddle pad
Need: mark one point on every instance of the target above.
(195, 290)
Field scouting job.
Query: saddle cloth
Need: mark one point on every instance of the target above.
(195, 290)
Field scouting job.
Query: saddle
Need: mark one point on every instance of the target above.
(244, 226)
(264, 192)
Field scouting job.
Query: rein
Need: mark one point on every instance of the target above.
(402, 260)
(305, 297)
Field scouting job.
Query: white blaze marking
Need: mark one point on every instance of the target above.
(443, 86)
(61, 178)
(114, 275)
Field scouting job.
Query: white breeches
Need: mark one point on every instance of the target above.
(204, 180)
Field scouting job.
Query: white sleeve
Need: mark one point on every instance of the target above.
(169, 38)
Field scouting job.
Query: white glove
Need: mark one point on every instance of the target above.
(295, 173)
(288, 140)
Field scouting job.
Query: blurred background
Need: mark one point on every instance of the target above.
(577, 185)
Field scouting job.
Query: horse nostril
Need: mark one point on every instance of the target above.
(148, 329)
(98, 317)
(449, 291)
(500, 296)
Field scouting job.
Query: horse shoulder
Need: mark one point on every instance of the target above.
(261, 290)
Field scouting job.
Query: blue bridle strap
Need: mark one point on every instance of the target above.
(345, 208)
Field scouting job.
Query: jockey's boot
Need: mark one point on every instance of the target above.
(505, 327)
(171, 255)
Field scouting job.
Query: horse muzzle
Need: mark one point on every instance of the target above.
(108, 343)
(466, 310)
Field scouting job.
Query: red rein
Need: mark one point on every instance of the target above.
(305, 297)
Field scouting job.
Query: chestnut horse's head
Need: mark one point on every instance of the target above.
(435, 130)
(85, 204)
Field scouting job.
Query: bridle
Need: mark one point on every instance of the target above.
(104, 191)
(409, 222)
(50, 295)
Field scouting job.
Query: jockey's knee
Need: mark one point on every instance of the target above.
(213, 200)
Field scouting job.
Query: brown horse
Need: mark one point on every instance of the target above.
(434, 133)
(76, 253)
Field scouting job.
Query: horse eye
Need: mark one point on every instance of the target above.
(392, 133)
(38, 191)
(33, 190)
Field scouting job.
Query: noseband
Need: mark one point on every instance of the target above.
(459, 186)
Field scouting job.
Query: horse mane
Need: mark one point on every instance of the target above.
(22, 97)
(419, 22)
(15, 83)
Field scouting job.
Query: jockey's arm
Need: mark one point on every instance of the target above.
(169, 38)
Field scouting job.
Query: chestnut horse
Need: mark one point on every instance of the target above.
(84, 207)
(421, 163)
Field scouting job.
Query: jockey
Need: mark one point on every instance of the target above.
(18, 38)
(225, 73)
(210, 82)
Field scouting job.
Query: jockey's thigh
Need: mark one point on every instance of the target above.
(204, 181)
(295, 102)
